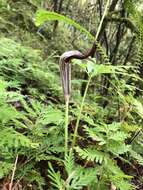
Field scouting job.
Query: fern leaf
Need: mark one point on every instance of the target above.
(5, 168)
(112, 168)
(55, 177)
(83, 177)
(10, 138)
(43, 16)
(92, 155)
(137, 157)
(9, 111)
(118, 148)
(69, 163)
(119, 136)
(96, 136)
(123, 184)
(117, 176)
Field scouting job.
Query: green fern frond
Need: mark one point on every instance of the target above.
(95, 135)
(117, 176)
(118, 148)
(92, 155)
(113, 169)
(83, 177)
(12, 139)
(57, 181)
(122, 184)
(119, 136)
(34, 176)
(9, 111)
(136, 156)
(69, 163)
(5, 168)
(43, 16)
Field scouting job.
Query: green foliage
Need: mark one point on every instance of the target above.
(28, 126)
(55, 177)
(5, 168)
(83, 177)
(92, 155)
(137, 157)
(77, 178)
(21, 63)
(93, 68)
(111, 136)
(43, 16)
(117, 176)
(110, 140)
(12, 139)
(108, 147)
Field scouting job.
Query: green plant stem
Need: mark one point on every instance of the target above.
(66, 124)
(80, 111)
(85, 92)
(102, 19)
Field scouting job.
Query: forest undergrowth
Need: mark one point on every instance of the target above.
(95, 141)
